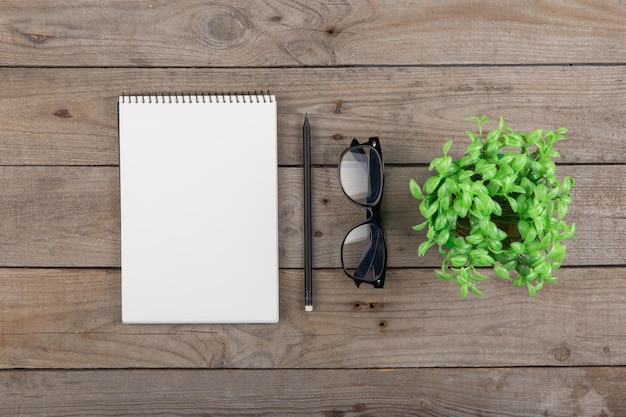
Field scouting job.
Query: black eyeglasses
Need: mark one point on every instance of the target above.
(363, 251)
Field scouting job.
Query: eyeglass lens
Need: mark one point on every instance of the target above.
(364, 252)
(360, 175)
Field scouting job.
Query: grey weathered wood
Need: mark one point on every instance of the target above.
(69, 216)
(241, 33)
(590, 391)
(59, 216)
(71, 319)
(67, 116)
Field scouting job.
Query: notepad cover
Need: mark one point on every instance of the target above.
(198, 199)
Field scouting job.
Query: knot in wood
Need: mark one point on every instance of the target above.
(562, 353)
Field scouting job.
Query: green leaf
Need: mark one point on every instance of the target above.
(548, 167)
(514, 140)
(496, 208)
(451, 218)
(463, 249)
(480, 257)
(511, 265)
(537, 169)
(477, 276)
(447, 146)
(512, 203)
(495, 245)
(474, 239)
(423, 248)
(443, 190)
(489, 171)
(534, 136)
(562, 207)
(443, 167)
(493, 136)
(474, 147)
(443, 275)
(493, 148)
(475, 290)
(443, 237)
(532, 245)
(501, 272)
(415, 189)
(444, 203)
(472, 136)
(551, 279)
(434, 163)
(518, 247)
(530, 237)
(544, 269)
(500, 234)
(541, 191)
(420, 226)
(464, 175)
(452, 185)
(459, 261)
(441, 222)
(567, 185)
(520, 162)
(431, 184)
(478, 187)
(469, 159)
(481, 206)
(460, 208)
(524, 228)
(428, 210)
(526, 185)
(464, 290)
(489, 228)
(568, 234)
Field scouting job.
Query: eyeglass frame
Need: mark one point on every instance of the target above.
(373, 212)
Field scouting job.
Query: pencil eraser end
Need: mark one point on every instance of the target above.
(308, 308)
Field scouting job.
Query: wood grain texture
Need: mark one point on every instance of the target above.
(71, 319)
(242, 33)
(59, 216)
(69, 217)
(520, 392)
(66, 116)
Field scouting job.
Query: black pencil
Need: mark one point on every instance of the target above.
(308, 267)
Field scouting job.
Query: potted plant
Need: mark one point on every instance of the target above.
(500, 205)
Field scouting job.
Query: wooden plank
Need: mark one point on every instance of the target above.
(230, 33)
(61, 116)
(69, 216)
(71, 319)
(591, 391)
(59, 216)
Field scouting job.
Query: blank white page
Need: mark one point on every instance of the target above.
(199, 209)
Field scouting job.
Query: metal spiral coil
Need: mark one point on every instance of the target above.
(161, 98)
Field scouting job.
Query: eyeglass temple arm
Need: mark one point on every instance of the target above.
(373, 258)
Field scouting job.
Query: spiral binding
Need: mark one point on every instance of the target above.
(262, 97)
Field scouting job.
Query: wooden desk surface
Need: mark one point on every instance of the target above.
(407, 71)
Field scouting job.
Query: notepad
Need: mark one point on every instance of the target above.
(199, 208)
